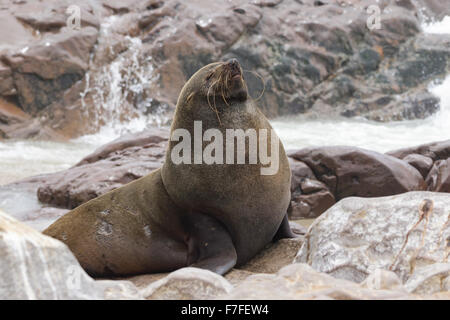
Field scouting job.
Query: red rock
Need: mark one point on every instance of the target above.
(439, 177)
(351, 171)
(435, 150)
(110, 167)
(10, 114)
(421, 163)
(50, 66)
(306, 206)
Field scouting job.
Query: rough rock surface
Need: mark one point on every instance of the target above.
(34, 266)
(432, 160)
(438, 178)
(301, 282)
(315, 57)
(351, 171)
(49, 271)
(188, 284)
(109, 167)
(436, 150)
(43, 72)
(408, 234)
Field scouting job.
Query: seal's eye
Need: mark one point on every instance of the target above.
(208, 77)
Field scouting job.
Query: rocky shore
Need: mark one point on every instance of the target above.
(382, 230)
(320, 176)
(402, 255)
(370, 225)
(131, 58)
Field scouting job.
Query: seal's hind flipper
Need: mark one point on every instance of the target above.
(284, 231)
(210, 245)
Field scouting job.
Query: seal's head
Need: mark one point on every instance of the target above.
(220, 83)
(227, 81)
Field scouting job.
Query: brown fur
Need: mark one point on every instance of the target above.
(210, 216)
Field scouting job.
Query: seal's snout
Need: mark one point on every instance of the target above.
(234, 67)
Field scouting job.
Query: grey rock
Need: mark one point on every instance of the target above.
(187, 284)
(34, 266)
(300, 281)
(402, 233)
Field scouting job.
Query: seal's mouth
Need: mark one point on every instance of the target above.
(234, 69)
(226, 81)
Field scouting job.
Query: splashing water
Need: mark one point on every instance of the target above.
(440, 27)
(297, 133)
(130, 72)
(120, 100)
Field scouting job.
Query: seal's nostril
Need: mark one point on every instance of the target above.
(233, 62)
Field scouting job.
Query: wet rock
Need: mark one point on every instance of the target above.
(10, 114)
(153, 136)
(403, 233)
(187, 284)
(435, 150)
(34, 266)
(32, 129)
(439, 177)
(351, 171)
(421, 163)
(110, 167)
(300, 171)
(44, 70)
(309, 197)
(310, 205)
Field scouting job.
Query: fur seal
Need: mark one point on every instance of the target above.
(207, 215)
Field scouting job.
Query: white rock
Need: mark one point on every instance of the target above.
(383, 280)
(430, 279)
(34, 266)
(300, 281)
(188, 284)
(402, 233)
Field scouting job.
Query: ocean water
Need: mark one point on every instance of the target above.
(20, 159)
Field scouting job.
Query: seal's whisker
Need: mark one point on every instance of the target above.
(209, 102)
(263, 82)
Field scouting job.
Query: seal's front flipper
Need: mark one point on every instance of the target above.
(210, 245)
(284, 231)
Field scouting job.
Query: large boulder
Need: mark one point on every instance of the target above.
(34, 266)
(436, 151)
(431, 160)
(108, 168)
(407, 234)
(352, 171)
(43, 70)
(422, 163)
(301, 282)
(309, 197)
